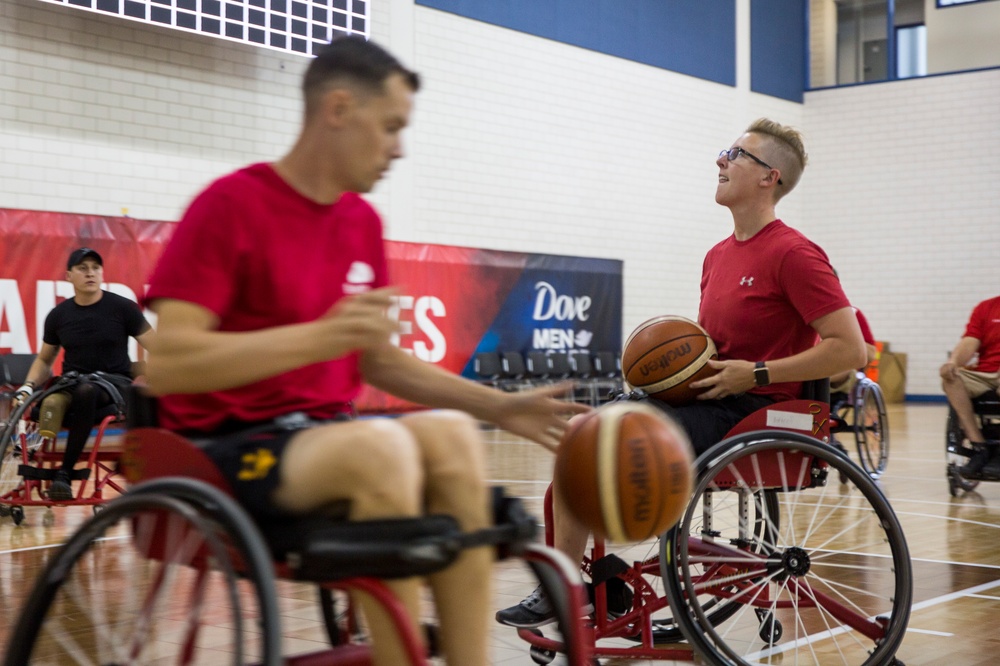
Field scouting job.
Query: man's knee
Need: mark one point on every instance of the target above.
(447, 436)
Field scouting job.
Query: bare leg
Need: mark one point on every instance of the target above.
(569, 535)
(375, 464)
(958, 397)
(454, 462)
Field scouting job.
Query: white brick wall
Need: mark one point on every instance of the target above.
(902, 192)
(520, 143)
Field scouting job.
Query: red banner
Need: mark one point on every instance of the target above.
(450, 296)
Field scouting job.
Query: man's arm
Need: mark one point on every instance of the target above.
(39, 371)
(960, 356)
(840, 348)
(538, 415)
(191, 356)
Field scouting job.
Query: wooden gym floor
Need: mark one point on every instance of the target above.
(954, 545)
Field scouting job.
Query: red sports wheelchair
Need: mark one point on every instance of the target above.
(28, 461)
(771, 563)
(174, 571)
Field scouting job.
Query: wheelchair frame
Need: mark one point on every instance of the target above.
(185, 527)
(743, 557)
(957, 450)
(28, 461)
(864, 415)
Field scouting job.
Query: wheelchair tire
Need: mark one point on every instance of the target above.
(958, 451)
(15, 435)
(832, 538)
(871, 428)
(111, 593)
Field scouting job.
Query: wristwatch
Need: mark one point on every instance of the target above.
(760, 374)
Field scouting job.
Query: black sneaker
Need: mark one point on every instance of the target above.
(977, 461)
(534, 611)
(61, 489)
(991, 469)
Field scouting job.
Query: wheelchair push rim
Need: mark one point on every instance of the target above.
(832, 581)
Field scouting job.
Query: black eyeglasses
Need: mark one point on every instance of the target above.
(733, 153)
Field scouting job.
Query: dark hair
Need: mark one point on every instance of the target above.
(357, 60)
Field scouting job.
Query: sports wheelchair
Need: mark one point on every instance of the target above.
(862, 413)
(29, 461)
(957, 448)
(770, 563)
(175, 571)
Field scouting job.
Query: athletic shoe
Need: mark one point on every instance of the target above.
(534, 611)
(61, 488)
(991, 469)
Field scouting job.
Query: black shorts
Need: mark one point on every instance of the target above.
(249, 457)
(707, 421)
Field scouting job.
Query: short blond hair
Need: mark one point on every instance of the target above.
(785, 151)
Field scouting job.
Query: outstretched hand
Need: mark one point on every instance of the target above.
(537, 414)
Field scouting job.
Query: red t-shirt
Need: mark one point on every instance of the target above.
(258, 254)
(759, 297)
(866, 330)
(984, 325)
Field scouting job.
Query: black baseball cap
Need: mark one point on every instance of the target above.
(78, 257)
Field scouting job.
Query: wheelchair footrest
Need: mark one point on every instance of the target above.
(317, 548)
(49, 473)
(392, 548)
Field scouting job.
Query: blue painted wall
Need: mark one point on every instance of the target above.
(695, 37)
(778, 57)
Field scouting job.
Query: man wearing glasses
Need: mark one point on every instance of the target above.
(767, 294)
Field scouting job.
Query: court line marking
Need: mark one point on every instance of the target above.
(55, 545)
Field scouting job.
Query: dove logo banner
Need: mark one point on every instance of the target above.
(452, 302)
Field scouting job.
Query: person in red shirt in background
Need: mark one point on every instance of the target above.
(963, 379)
(767, 292)
(842, 383)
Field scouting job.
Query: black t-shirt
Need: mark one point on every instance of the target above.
(95, 337)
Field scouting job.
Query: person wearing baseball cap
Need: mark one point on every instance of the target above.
(94, 328)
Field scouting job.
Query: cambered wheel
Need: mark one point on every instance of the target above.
(152, 578)
(871, 428)
(957, 451)
(837, 559)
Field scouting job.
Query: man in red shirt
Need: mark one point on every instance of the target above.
(272, 304)
(961, 383)
(767, 292)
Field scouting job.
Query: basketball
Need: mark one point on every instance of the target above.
(625, 471)
(664, 355)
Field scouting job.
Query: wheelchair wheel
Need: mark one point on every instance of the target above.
(871, 428)
(958, 452)
(837, 560)
(16, 435)
(153, 578)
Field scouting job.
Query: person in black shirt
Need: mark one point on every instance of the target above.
(93, 327)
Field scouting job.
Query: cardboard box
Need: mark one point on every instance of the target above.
(892, 376)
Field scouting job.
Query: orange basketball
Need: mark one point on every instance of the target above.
(625, 471)
(664, 355)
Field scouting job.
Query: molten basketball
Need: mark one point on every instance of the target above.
(625, 471)
(664, 355)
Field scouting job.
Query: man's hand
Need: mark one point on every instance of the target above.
(732, 378)
(360, 323)
(21, 394)
(538, 414)
(949, 370)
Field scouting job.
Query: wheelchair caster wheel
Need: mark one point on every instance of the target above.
(540, 656)
(17, 513)
(4, 510)
(770, 628)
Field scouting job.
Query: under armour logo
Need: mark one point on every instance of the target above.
(746, 281)
(256, 465)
